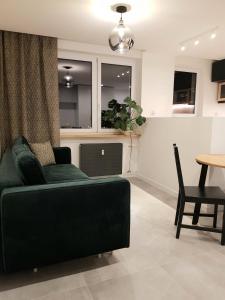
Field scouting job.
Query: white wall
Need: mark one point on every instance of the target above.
(194, 134)
(157, 84)
(94, 49)
(156, 163)
(207, 90)
(84, 106)
(68, 117)
(109, 93)
(217, 175)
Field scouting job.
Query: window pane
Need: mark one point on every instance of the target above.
(115, 84)
(75, 93)
(184, 92)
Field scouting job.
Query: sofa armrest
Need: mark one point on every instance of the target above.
(55, 222)
(62, 155)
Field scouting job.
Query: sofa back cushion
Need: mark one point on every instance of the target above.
(28, 167)
(8, 172)
(21, 140)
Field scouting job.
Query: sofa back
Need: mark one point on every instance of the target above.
(8, 178)
(28, 166)
(19, 166)
(8, 172)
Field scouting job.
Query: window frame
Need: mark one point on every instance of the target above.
(114, 61)
(84, 57)
(197, 94)
(96, 61)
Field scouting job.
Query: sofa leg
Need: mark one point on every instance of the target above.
(35, 270)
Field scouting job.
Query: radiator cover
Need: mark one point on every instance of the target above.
(101, 159)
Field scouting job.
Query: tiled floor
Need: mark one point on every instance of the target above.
(156, 266)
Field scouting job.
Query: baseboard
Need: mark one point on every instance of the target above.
(157, 184)
(128, 174)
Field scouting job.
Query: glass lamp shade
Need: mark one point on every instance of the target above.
(121, 39)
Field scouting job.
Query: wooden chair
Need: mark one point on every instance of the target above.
(195, 194)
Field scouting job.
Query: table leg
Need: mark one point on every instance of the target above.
(201, 184)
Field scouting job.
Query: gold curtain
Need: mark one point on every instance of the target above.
(29, 102)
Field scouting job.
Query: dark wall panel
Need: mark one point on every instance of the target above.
(218, 71)
(101, 159)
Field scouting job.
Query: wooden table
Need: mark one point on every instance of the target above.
(212, 160)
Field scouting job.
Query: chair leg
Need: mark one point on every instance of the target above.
(177, 211)
(180, 218)
(196, 213)
(223, 228)
(215, 216)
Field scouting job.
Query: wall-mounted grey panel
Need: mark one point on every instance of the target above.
(101, 159)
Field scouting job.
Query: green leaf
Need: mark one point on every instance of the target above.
(140, 120)
(112, 103)
(139, 109)
(125, 116)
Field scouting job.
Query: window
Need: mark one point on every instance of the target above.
(75, 93)
(184, 93)
(87, 84)
(115, 84)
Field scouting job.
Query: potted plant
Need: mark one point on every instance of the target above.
(126, 117)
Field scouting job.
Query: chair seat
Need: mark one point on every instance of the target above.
(206, 195)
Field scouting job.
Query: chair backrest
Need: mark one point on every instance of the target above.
(179, 171)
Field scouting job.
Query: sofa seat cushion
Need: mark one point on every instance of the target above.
(8, 172)
(63, 172)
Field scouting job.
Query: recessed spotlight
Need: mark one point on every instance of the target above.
(118, 76)
(182, 48)
(213, 35)
(128, 72)
(196, 42)
(122, 74)
(102, 85)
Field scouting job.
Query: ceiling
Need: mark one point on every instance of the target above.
(158, 25)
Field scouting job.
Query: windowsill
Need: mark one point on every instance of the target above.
(94, 135)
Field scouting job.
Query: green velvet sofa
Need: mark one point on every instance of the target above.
(55, 213)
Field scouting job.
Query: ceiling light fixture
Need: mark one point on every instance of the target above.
(213, 35)
(196, 42)
(68, 77)
(121, 39)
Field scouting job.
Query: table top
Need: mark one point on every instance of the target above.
(213, 160)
